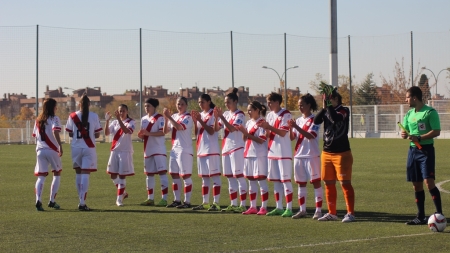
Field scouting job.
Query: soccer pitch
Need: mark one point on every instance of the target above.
(384, 202)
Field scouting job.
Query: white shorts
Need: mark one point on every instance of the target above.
(155, 164)
(45, 158)
(306, 169)
(84, 158)
(255, 167)
(121, 162)
(180, 164)
(208, 166)
(280, 170)
(233, 164)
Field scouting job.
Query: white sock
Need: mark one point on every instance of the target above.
(205, 189)
(116, 182)
(164, 186)
(242, 191)
(302, 192)
(319, 195)
(187, 190)
(264, 190)
(217, 183)
(288, 194)
(78, 183)
(84, 188)
(55, 187)
(39, 187)
(232, 190)
(150, 182)
(278, 191)
(176, 185)
(121, 188)
(253, 192)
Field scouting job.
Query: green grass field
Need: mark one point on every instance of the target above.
(384, 201)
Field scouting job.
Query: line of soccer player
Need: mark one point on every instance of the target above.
(258, 150)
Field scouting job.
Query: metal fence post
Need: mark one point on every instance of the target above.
(140, 72)
(412, 63)
(232, 60)
(37, 71)
(350, 84)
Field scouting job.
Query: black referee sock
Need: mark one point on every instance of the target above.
(420, 202)
(436, 195)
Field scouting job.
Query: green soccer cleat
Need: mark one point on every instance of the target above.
(214, 207)
(229, 209)
(39, 206)
(53, 205)
(148, 202)
(275, 212)
(201, 207)
(162, 202)
(287, 213)
(240, 209)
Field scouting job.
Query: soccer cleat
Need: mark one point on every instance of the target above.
(262, 211)
(328, 217)
(39, 206)
(348, 218)
(300, 214)
(148, 202)
(201, 207)
(53, 205)
(119, 202)
(162, 202)
(287, 213)
(240, 209)
(83, 208)
(275, 212)
(229, 209)
(317, 215)
(417, 221)
(125, 195)
(184, 205)
(174, 204)
(214, 207)
(251, 210)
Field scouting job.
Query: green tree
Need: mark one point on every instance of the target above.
(425, 87)
(366, 94)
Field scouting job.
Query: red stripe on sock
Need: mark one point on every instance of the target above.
(277, 196)
(243, 197)
(165, 191)
(205, 190)
(265, 196)
(289, 198)
(149, 191)
(252, 196)
(232, 195)
(301, 201)
(120, 191)
(175, 187)
(319, 203)
(187, 188)
(216, 190)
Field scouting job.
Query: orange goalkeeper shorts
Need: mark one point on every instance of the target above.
(337, 166)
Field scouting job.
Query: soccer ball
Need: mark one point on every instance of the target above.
(437, 222)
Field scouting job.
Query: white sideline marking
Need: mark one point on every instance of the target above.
(438, 185)
(331, 243)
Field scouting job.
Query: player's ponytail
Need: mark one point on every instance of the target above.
(48, 110)
(264, 110)
(84, 102)
(233, 95)
(257, 105)
(207, 98)
(309, 99)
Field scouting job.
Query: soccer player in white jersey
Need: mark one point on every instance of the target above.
(307, 155)
(255, 153)
(152, 131)
(181, 155)
(49, 151)
(84, 127)
(233, 152)
(280, 154)
(121, 159)
(208, 156)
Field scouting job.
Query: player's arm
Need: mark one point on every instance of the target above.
(58, 139)
(334, 116)
(319, 117)
(225, 122)
(280, 132)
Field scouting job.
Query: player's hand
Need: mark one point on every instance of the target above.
(166, 112)
(196, 116)
(292, 123)
(117, 114)
(242, 129)
(263, 124)
(404, 135)
(413, 138)
(60, 153)
(218, 112)
(107, 116)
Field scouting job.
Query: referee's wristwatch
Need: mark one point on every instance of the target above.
(419, 138)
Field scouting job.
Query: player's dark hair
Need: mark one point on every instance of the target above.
(335, 94)
(153, 101)
(85, 102)
(126, 108)
(233, 95)
(415, 91)
(274, 97)
(207, 98)
(257, 105)
(309, 99)
(48, 111)
(183, 98)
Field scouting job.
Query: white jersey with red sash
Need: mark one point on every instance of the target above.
(44, 137)
(279, 147)
(207, 144)
(153, 145)
(304, 147)
(83, 137)
(232, 141)
(252, 148)
(122, 141)
(182, 139)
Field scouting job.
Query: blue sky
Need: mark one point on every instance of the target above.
(369, 20)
